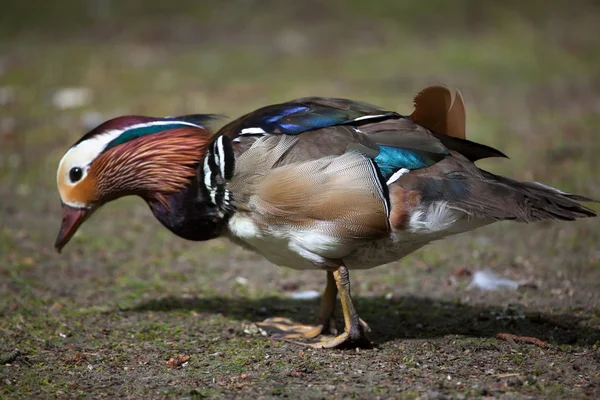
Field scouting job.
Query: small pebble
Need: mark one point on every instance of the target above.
(241, 280)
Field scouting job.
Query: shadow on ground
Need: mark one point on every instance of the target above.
(408, 317)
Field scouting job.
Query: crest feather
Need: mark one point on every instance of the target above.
(130, 127)
(155, 165)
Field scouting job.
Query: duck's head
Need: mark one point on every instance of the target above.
(130, 155)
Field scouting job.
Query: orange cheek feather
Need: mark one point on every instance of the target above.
(83, 192)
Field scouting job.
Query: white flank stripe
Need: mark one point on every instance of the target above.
(207, 173)
(397, 175)
(380, 188)
(221, 160)
(226, 197)
(216, 154)
(368, 117)
(252, 131)
(213, 196)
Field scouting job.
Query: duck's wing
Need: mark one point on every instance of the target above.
(325, 121)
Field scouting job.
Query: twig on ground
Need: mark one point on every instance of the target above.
(10, 357)
(509, 375)
(509, 337)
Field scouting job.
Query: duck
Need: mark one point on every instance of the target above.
(314, 183)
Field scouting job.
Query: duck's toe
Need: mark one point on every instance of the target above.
(355, 338)
(279, 328)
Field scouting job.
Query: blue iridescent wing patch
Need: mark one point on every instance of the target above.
(390, 159)
(293, 119)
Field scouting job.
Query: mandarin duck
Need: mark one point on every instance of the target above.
(313, 183)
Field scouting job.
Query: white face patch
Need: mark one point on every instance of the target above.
(81, 156)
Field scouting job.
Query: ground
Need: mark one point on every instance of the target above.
(130, 311)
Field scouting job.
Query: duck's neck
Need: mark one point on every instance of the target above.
(187, 214)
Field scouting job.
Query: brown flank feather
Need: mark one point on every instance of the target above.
(403, 203)
(339, 190)
(337, 196)
(151, 166)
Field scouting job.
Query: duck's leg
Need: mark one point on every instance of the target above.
(326, 310)
(285, 328)
(355, 329)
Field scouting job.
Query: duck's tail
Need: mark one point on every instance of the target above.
(536, 201)
(473, 190)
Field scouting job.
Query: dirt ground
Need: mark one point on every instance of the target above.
(130, 311)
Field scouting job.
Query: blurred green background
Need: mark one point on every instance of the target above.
(528, 70)
(530, 75)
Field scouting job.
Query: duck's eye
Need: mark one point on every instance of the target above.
(75, 174)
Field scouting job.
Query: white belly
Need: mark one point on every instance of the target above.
(312, 250)
(274, 248)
